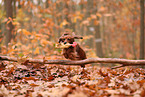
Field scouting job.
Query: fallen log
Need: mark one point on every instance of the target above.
(123, 62)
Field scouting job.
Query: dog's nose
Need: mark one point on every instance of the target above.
(65, 42)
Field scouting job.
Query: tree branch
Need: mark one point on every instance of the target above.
(123, 62)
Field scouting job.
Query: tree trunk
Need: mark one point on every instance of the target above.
(98, 41)
(19, 5)
(30, 14)
(9, 15)
(90, 11)
(14, 8)
(66, 13)
(0, 33)
(14, 14)
(46, 3)
(141, 29)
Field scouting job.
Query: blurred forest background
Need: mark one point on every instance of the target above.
(111, 28)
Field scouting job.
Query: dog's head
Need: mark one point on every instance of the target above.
(69, 37)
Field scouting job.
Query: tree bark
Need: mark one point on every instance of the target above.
(98, 41)
(46, 3)
(142, 44)
(66, 8)
(9, 15)
(14, 8)
(123, 62)
(90, 11)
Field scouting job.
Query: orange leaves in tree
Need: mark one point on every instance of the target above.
(64, 23)
(85, 22)
(93, 16)
(24, 31)
(77, 16)
(45, 42)
(102, 9)
(29, 43)
(36, 50)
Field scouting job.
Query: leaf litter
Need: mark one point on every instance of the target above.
(36, 80)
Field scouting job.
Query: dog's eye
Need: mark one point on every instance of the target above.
(62, 40)
(68, 39)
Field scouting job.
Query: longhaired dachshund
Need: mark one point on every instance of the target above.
(73, 52)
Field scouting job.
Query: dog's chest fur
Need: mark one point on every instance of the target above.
(71, 53)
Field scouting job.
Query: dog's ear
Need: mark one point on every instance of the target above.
(66, 33)
(76, 36)
(62, 36)
(60, 39)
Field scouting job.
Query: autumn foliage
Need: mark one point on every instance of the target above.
(118, 23)
(110, 28)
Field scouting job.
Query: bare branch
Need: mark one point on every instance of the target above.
(123, 62)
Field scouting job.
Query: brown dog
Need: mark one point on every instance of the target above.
(74, 52)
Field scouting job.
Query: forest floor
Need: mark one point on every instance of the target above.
(35, 80)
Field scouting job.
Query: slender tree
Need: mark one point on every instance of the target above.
(46, 3)
(90, 11)
(9, 15)
(98, 39)
(142, 29)
(0, 33)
